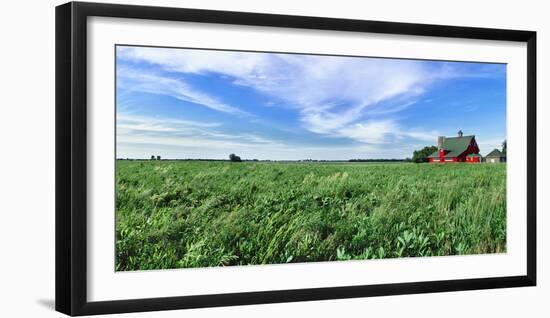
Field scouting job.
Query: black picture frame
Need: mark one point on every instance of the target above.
(71, 157)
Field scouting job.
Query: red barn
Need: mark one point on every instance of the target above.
(456, 149)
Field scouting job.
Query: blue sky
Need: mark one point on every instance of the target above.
(191, 103)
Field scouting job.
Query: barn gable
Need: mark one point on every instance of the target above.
(455, 146)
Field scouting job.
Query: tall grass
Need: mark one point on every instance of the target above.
(199, 214)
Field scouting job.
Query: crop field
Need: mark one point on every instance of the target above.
(181, 214)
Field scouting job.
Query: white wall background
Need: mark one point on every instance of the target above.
(27, 158)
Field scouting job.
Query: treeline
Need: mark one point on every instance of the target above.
(187, 159)
(269, 160)
(381, 160)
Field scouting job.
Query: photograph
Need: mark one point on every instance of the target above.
(239, 158)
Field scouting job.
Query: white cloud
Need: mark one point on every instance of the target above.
(307, 80)
(139, 125)
(373, 132)
(155, 84)
(143, 136)
(392, 109)
(152, 121)
(333, 96)
(379, 132)
(329, 92)
(171, 147)
(429, 136)
(168, 131)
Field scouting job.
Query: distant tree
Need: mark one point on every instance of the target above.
(378, 160)
(234, 158)
(504, 147)
(158, 157)
(152, 157)
(422, 154)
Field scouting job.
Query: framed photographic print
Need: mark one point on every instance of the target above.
(210, 158)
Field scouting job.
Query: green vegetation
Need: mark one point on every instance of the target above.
(421, 155)
(195, 214)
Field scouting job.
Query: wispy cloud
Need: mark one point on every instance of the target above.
(384, 131)
(136, 129)
(140, 136)
(330, 93)
(139, 80)
(373, 132)
(360, 100)
(127, 122)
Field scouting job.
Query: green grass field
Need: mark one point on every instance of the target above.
(197, 214)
